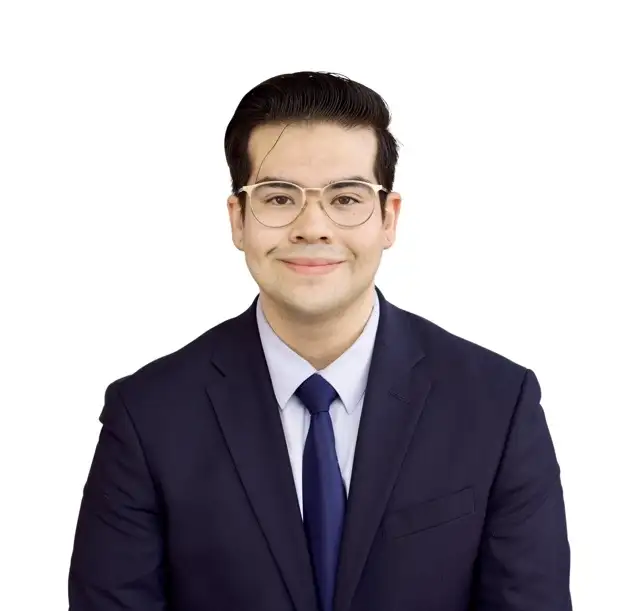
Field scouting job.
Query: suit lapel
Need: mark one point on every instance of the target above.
(244, 402)
(392, 406)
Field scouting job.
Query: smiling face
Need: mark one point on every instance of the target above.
(313, 268)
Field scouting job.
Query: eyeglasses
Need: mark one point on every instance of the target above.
(346, 203)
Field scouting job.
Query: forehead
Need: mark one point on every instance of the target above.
(312, 154)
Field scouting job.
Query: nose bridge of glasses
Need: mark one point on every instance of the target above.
(307, 208)
(319, 194)
(309, 197)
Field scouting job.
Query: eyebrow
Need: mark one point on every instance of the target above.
(282, 180)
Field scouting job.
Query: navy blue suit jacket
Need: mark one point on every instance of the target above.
(455, 503)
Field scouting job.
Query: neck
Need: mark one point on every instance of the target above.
(320, 340)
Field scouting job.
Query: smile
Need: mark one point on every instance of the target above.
(312, 268)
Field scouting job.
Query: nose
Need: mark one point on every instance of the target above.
(313, 224)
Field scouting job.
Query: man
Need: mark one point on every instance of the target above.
(324, 449)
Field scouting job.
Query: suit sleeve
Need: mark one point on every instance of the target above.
(524, 558)
(117, 559)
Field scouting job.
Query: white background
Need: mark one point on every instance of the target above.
(521, 172)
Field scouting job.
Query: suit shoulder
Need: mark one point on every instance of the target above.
(172, 372)
(460, 356)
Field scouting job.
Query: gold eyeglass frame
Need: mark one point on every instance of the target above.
(249, 188)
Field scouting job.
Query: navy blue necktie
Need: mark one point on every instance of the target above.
(324, 496)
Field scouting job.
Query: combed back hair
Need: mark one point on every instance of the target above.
(310, 97)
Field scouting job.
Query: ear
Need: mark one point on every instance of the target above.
(236, 220)
(393, 209)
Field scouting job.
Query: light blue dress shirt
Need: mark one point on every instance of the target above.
(348, 374)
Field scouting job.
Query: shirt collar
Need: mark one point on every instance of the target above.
(348, 374)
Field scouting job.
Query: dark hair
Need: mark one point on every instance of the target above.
(310, 97)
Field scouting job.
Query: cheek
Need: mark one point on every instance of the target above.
(367, 246)
(259, 241)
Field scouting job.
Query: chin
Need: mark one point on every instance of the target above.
(312, 298)
(310, 302)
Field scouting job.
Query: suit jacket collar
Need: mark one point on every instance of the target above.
(248, 413)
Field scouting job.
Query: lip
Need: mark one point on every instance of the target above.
(312, 266)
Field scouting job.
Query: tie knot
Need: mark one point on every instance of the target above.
(316, 394)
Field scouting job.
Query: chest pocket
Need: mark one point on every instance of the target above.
(430, 514)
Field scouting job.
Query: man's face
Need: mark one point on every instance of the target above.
(312, 156)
